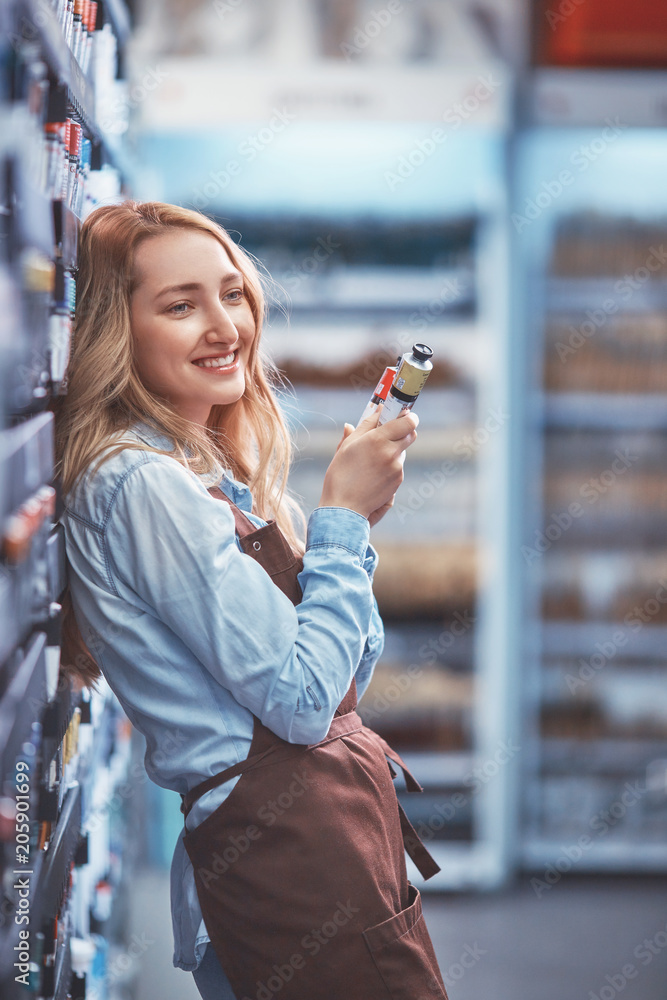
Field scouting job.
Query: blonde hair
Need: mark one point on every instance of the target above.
(105, 395)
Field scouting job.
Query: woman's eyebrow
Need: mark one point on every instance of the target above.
(193, 286)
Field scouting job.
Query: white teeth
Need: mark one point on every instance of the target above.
(215, 362)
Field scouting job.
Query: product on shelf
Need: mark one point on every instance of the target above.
(591, 245)
(602, 33)
(425, 580)
(362, 372)
(607, 353)
(52, 756)
(434, 714)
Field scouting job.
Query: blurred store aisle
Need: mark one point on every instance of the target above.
(590, 938)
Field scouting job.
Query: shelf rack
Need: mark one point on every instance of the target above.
(45, 722)
(569, 782)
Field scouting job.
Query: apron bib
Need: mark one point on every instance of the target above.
(300, 872)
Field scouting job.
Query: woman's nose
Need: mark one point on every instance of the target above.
(220, 325)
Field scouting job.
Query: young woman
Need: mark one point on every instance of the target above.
(237, 651)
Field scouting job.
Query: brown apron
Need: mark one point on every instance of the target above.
(300, 872)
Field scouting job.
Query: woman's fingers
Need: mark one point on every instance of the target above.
(369, 422)
(347, 430)
(402, 426)
(367, 467)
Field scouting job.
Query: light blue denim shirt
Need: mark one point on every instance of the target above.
(194, 638)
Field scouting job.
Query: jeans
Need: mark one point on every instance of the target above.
(210, 978)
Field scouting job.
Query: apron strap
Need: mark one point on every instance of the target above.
(257, 760)
(411, 783)
(342, 725)
(345, 721)
(414, 846)
(412, 842)
(244, 525)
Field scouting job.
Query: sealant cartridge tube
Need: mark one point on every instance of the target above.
(380, 392)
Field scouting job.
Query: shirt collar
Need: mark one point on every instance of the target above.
(152, 436)
(235, 490)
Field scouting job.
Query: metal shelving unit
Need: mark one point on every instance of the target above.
(54, 850)
(593, 677)
(460, 545)
(460, 741)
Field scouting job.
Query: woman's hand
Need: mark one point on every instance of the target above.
(367, 467)
(378, 514)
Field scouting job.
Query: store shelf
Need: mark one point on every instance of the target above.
(61, 854)
(40, 711)
(597, 323)
(117, 13)
(56, 568)
(437, 770)
(21, 705)
(328, 90)
(383, 290)
(66, 234)
(602, 856)
(614, 296)
(605, 411)
(43, 19)
(566, 97)
(578, 639)
(615, 757)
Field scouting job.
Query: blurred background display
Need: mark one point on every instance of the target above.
(595, 548)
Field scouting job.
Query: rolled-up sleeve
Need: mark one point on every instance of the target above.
(171, 552)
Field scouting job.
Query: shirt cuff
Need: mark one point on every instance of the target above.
(370, 562)
(341, 527)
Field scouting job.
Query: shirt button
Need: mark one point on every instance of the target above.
(256, 546)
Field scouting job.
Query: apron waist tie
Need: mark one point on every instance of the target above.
(341, 725)
(414, 845)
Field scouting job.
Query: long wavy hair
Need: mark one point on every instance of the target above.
(105, 395)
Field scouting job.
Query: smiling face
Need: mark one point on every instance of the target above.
(192, 324)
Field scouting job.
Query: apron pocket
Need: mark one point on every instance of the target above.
(403, 954)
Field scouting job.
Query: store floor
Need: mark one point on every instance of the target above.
(582, 939)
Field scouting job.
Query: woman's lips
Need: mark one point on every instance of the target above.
(220, 365)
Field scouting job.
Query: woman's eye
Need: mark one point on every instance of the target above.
(179, 309)
(236, 295)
